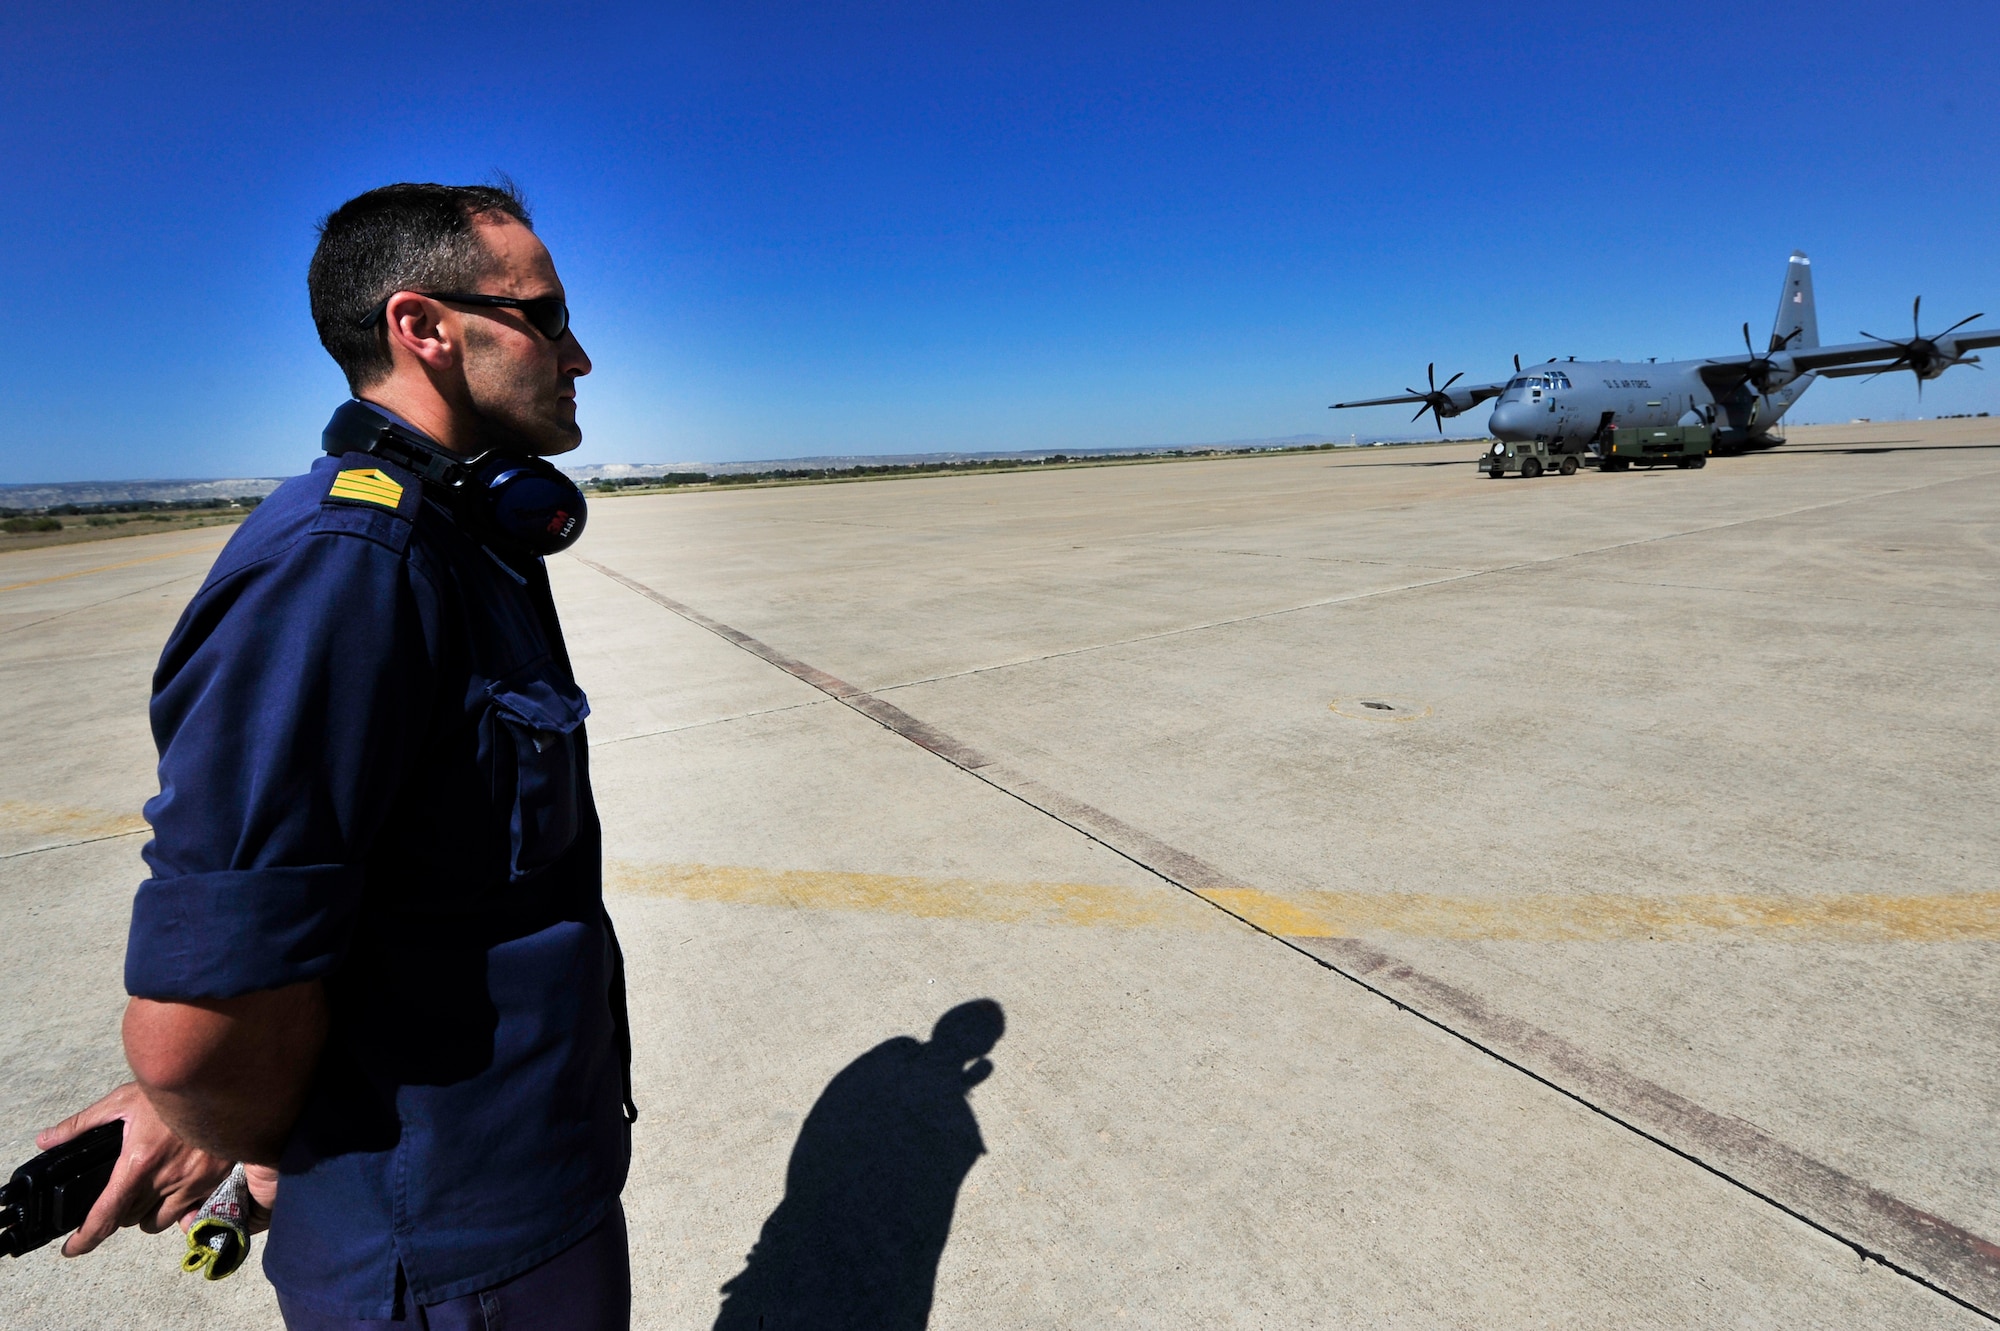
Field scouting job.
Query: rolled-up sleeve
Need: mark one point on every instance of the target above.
(286, 708)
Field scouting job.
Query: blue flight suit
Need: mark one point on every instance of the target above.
(373, 773)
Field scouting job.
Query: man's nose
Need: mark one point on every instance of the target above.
(571, 359)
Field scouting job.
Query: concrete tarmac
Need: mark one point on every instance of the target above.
(1413, 899)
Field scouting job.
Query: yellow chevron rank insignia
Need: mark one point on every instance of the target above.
(367, 485)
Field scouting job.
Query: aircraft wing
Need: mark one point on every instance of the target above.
(1726, 373)
(1463, 397)
(1949, 347)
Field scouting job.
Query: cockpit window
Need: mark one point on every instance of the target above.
(1550, 380)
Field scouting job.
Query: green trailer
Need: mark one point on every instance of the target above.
(1651, 446)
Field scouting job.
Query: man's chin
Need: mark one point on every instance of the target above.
(561, 435)
(542, 439)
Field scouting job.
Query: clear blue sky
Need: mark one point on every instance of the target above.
(797, 229)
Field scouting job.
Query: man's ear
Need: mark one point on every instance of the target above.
(418, 328)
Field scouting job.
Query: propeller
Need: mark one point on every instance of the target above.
(1760, 368)
(1921, 355)
(1517, 362)
(1437, 399)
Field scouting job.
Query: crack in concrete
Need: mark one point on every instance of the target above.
(711, 721)
(1935, 1253)
(65, 845)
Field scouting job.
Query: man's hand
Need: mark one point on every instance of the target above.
(262, 1181)
(158, 1180)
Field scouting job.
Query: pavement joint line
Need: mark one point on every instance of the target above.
(1965, 1256)
(1310, 559)
(106, 568)
(1766, 591)
(65, 845)
(79, 609)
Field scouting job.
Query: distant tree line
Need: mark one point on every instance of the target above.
(50, 517)
(135, 506)
(679, 478)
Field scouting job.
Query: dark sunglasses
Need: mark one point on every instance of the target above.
(548, 314)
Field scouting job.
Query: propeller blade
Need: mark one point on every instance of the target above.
(1420, 414)
(1960, 324)
(1873, 338)
(1517, 362)
(1431, 375)
(1916, 329)
(1746, 338)
(1456, 377)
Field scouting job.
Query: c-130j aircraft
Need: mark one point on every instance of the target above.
(1738, 398)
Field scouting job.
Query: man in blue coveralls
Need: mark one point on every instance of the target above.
(372, 955)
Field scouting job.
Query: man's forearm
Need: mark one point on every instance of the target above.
(229, 1075)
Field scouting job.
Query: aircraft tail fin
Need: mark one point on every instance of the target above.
(1797, 324)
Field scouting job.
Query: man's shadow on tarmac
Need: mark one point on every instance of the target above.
(871, 1187)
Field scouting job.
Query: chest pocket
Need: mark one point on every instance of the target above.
(535, 766)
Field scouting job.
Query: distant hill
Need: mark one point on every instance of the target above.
(131, 492)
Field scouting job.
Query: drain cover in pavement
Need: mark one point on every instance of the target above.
(1380, 707)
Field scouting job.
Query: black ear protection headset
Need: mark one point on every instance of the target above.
(519, 503)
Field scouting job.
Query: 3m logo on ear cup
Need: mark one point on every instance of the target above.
(533, 505)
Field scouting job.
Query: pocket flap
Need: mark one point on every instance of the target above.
(541, 703)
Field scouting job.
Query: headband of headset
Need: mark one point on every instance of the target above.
(522, 503)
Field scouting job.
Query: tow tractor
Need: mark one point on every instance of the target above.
(1531, 458)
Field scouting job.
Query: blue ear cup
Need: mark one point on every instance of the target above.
(537, 507)
(523, 504)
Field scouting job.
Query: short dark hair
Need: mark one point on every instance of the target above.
(406, 237)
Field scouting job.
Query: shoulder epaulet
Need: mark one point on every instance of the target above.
(370, 497)
(367, 480)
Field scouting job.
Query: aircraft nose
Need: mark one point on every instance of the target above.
(1510, 421)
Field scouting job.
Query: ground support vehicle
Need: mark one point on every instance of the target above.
(1530, 457)
(1679, 446)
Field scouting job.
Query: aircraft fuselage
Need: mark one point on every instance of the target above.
(1571, 401)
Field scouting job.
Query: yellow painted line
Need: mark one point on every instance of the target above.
(106, 568)
(1856, 917)
(925, 898)
(1582, 917)
(37, 821)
